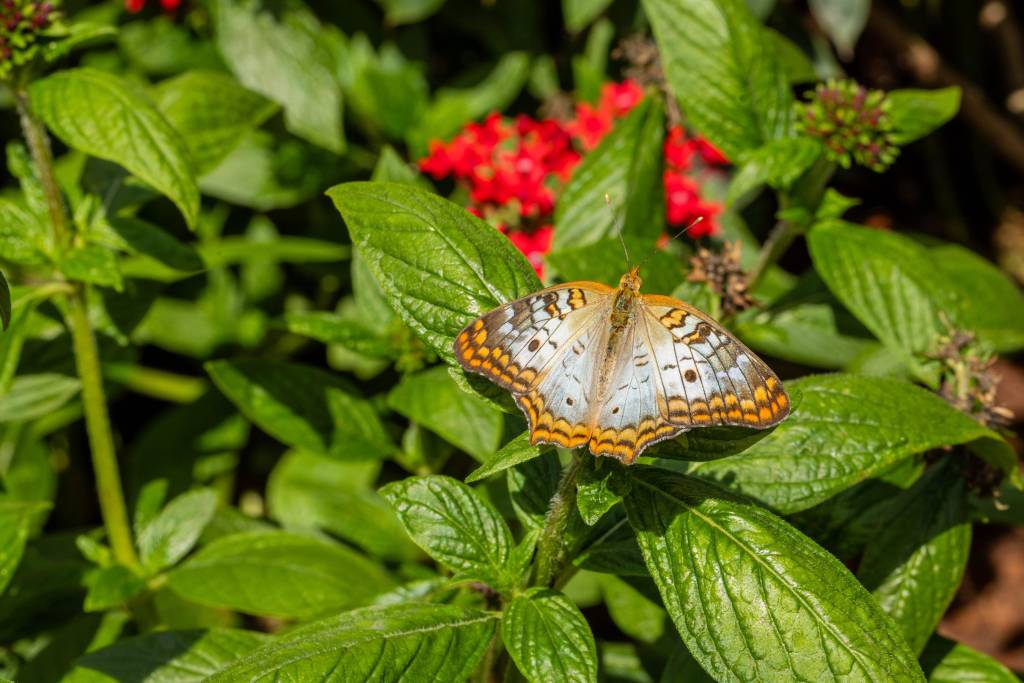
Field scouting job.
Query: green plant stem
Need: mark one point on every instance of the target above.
(87, 360)
(101, 438)
(551, 544)
(775, 246)
(42, 156)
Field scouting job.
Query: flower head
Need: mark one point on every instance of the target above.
(852, 122)
(22, 25)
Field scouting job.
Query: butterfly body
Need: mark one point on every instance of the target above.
(617, 370)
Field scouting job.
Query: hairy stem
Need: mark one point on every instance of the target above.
(87, 360)
(550, 546)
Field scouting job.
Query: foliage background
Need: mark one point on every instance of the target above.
(265, 379)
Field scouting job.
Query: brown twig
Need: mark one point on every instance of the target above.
(926, 65)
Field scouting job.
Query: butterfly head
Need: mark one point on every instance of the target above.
(631, 280)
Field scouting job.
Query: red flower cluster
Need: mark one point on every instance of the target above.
(136, 6)
(514, 170)
(683, 203)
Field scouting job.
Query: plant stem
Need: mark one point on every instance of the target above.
(551, 543)
(87, 360)
(774, 247)
(39, 149)
(101, 439)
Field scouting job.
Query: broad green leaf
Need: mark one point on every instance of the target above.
(311, 491)
(170, 535)
(604, 261)
(409, 11)
(638, 613)
(516, 451)
(916, 113)
(842, 20)
(21, 235)
(579, 13)
(726, 74)
(111, 587)
(332, 328)
(844, 429)
(914, 565)
(303, 407)
(285, 59)
(392, 168)
(888, 282)
(797, 66)
(92, 263)
(945, 661)
(993, 303)
(446, 268)
(15, 524)
(600, 485)
(453, 107)
(753, 598)
(809, 334)
(531, 485)
(413, 642)
(79, 106)
(626, 168)
(432, 399)
(32, 396)
(612, 551)
(144, 238)
(278, 574)
(454, 526)
(212, 111)
(180, 656)
(777, 163)
(548, 638)
(388, 94)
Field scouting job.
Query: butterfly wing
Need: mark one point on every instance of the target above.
(542, 348)
(706, 376)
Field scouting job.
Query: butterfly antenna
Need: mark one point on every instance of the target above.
(608, 203)
(682, 232)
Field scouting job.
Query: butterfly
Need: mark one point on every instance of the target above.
(617, 370)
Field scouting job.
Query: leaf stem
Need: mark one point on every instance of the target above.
(87, 360)
(551, 544)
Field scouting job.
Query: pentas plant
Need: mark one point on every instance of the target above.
(515, 170)
(236, 443)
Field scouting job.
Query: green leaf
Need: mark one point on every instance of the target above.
(94, 264)
(212, 111)
(579, 13)
(15, 523)
(914, 565)
(412, 642)
(604, 261)
(303, 407)
(945, 661)
(842, 20)
(753, 598)
(453, 107)
(112, 587)
(145, 238)
(888, 282)
(285, 59)
(22, 237)
(548, 638)
(531, 485)
(180, 656)
(726, 74)
(32, 396)
(778, 164)
(635, 607)
(388, 94)
(331, 328)
(278, 574)
(626, 168)
(311, 491)
(844, 429)
(454, 526)
(916, 113)
(809, 334)
(409, 11)
(516, 451)
(392, 168)
(79, 106)
(993, 303)
(432, 399)
(612, 551)
(447, 267)
(172, 533)
(600, 485)
(797, 66)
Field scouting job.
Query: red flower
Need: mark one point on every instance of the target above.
(683, 205)
(678, 150)
(534, 245)
(618, 99)
(590, 125)
(136, 6)
(708, 152)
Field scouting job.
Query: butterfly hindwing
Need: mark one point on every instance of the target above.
(709, 376)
